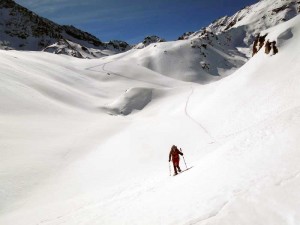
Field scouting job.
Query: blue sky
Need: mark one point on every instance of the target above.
(132, 20)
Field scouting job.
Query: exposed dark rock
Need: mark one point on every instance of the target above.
(185, 35)
(277, 10)
(274, 47)
(231, 24)
(149, 40)
(267, 47)
(152, 39)
(119, 45)
(258, 43)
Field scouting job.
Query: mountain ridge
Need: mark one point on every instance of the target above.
(25, 30)
(219, 49)
(22, 29)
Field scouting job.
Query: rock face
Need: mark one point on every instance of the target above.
(270, 47)
(120, 46)
(260, 42)
(22, 29)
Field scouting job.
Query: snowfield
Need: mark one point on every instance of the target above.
(87, 141)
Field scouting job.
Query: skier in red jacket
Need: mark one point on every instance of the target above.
(174, 153)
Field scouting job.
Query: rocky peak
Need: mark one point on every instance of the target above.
(149, 40)
(185, 35)
(119, 45)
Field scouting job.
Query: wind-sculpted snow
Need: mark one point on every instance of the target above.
(132, 99)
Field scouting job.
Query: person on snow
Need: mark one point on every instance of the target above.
(174, 154)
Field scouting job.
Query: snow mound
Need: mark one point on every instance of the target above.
(132, 99)
(288, 34)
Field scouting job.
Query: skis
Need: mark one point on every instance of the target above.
(182, 171)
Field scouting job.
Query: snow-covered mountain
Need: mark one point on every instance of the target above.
(86, 141)
(219, 49)
(251, 20)
(22, 29)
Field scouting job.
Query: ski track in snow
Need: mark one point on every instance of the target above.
(119, 75)
(194, 120)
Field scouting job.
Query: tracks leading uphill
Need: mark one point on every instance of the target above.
(110, 72)
(213, 140)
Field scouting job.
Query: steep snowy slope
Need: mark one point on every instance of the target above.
(66, 160)
(255, 18)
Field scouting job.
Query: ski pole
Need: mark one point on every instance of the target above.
(170, 168)
(183, 159)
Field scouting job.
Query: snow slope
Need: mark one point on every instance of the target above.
(66, 160)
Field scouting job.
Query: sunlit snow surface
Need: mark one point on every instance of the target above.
(69, 155)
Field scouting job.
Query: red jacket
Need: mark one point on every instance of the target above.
(174, 153)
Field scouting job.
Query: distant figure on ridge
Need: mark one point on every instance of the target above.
(174, 153)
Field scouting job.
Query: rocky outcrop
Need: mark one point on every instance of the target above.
(149, 40)
(121, 46)
(185, 35)
(260, 42)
